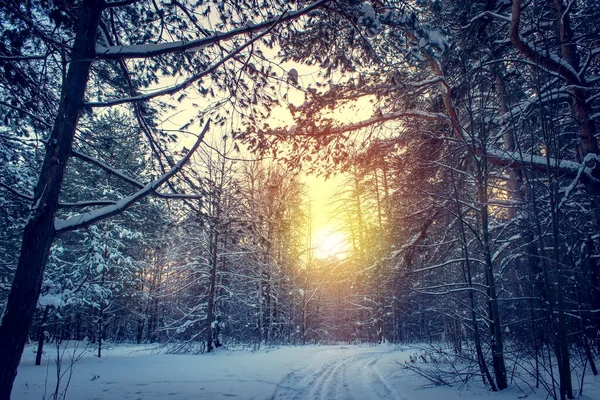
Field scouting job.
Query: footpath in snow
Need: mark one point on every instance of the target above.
(286, 373)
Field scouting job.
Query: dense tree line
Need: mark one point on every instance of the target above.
(484, 123)
(470, 206)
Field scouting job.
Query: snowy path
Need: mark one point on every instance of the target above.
(341, 373)
(287, 373)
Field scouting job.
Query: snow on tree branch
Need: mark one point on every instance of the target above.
(87, 203)
(91, 217)
(538, 163)
(107, 168)
(118, 3)
(372, 121)
(152, 50)
(550, 61)
(188, 82)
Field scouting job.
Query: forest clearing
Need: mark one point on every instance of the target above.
(283, 373)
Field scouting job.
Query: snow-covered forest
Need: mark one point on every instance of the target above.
(154, 158)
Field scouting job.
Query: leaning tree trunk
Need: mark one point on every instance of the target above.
(39, 232)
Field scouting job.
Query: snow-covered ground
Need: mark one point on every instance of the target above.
(309, 372)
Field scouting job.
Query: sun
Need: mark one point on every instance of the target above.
(327, 240)
(330, 243)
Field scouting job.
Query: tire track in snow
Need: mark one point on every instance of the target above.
(343, 377)
(378, 383)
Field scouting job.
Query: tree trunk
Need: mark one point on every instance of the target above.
(101, 316)
(100, 329)
(483, 368)
(140, 330)
(78, 327)
(210, 314)
(580, 104)
(39, 232)
(562, 350)
(41, 337)
(515, 178)
(496, 329)
(359, 213)
(580, 107)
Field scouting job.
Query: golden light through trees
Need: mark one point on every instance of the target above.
(330, 243)
(326, 240)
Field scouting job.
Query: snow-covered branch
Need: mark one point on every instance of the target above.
(538, 163)
(181, 86)
(112, 171)
(550, 61)
(373, 121)
(188, 82)
(490, 14)
(106, 168)
(91, 217)
(589, 158)
(446, 263)
(87, 203)
(118, 3)
(24, 58)
(591, 55)
(152, 50)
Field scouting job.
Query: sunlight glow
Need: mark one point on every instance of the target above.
(326, 240)
(329, 243)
